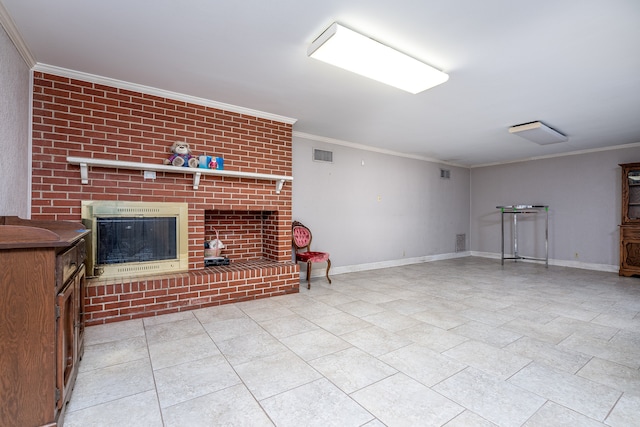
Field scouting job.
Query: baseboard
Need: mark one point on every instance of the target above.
(558, 262)
(320, 272)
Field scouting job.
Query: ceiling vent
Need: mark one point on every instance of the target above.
(538, 132)
(322, 156)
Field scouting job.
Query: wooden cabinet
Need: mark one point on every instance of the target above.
(42, 282)
(630, 227)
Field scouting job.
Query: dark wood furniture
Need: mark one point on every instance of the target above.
(42, 287)
(630, 227)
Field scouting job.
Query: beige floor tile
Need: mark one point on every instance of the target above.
(231, 407)
(179, 383)
(312, 309)
(626, 412)
(552, 414)
(171, 331)
(262, 313)
(352, 369)
(548, 354)
(400, 400)
(167, 318)
(114, 332)
(334, 298)
(622, 320)
(440, 319)
(220, 330)
(469, 419)
(492, 360)
(271, 375)
(614, 375)
(341, 323)
(491, 318)
(375, 341)
(138, 410)
(621, 351)
(313, 344)
(422, 364)
(494, 400)
(318, 403)
(391, 321)
(248, 347)
(218, 313)
(170, 353)
(496, 336)
(359, 308)
(113, 382)
(582, 395)
(537, 330)
(283, 327)
(404, 306)
(433, 337)
(113, 353)
(582, 328)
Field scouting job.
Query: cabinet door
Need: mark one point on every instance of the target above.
(629, 250)
(66, 342)
(631, 194)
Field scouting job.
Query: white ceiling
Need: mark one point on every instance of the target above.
(573, 64)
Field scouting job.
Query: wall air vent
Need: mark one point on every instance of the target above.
(322, 155)
(461, 242)
(445, 173)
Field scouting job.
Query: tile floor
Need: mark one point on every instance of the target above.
(461, 342)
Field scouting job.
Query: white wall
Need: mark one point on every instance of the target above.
(389, 209)
(14, 130)
(583, 192)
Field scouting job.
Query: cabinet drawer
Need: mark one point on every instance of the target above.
(630, 232)
(68, 262)
(82, 251)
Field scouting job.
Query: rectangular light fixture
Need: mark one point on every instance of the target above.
(354, 52)
(538, 132)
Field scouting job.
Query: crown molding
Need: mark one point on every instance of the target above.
(357, 146)
(107, 81)
(13, 33)
(570, 153)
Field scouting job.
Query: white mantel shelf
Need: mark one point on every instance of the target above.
(85, 162)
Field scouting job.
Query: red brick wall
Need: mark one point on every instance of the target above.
(79, 118)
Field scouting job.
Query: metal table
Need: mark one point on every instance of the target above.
(516, 210)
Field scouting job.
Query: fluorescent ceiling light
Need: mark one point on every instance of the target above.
(538, 132)
(352, 51)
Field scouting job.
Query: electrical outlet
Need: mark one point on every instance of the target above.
(576, 255)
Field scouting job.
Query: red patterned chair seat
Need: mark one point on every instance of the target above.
(312, 256)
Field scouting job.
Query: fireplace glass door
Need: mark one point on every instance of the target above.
(130, 240)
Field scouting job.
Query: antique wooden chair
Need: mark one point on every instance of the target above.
(302, 240)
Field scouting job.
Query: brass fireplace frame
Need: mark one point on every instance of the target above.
(94, 209)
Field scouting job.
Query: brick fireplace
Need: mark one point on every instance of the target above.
(84, 119)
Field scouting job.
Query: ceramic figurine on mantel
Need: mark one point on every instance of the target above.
(181, 156)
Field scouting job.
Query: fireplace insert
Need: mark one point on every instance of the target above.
(136, 238)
